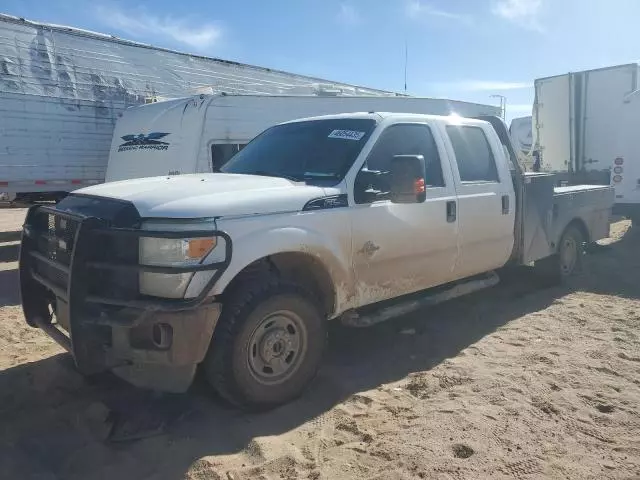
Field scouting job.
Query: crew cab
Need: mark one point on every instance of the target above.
(356, 217)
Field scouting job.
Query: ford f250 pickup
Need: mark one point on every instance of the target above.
(357, 217)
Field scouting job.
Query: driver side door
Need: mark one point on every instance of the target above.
(401, 248)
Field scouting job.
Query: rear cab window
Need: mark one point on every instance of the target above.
(474, 157)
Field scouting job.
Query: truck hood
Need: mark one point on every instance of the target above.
(208, 195)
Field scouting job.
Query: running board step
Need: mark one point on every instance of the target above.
(429, 298)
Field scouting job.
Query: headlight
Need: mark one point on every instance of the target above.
(168, 252)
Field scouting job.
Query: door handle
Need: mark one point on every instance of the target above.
(505, 204)
(452, 212)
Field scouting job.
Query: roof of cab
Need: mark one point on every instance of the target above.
(379, 116)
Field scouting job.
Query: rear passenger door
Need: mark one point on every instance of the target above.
(402, 248)
(486, 199)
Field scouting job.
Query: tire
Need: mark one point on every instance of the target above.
(267, 346)
(568, 259)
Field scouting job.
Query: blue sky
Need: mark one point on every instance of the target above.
(461, 49)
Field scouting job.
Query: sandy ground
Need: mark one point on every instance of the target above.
(514, 382)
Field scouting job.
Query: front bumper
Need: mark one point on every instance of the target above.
(79, 283)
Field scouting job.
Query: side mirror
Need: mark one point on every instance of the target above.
(408, 173)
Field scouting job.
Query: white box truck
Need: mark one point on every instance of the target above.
(582, 122)
(200, 133)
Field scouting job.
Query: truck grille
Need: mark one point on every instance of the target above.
(55, 236)
(54, 233)
(57, 244)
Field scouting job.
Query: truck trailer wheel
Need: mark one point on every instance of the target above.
(267, 346)
(568, 258)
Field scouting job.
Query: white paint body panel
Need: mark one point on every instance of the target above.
(485, 233)
(416, 247)
(209, 195)
(194, 124)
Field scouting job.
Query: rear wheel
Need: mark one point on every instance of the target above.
(568, 258)
(267, 346)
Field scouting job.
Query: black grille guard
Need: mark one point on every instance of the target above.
(56, 277)
(79, 266)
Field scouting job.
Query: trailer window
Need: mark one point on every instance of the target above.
(474, 157)
(221, 153)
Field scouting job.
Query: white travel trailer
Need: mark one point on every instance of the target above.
(199, 134)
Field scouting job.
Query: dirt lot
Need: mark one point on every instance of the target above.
(515, 382)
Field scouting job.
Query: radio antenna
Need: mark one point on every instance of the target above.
(406, 60)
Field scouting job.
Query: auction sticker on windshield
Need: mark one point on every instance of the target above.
(347, 134)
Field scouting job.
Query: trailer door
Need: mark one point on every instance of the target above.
(605, 91)
(552, 122)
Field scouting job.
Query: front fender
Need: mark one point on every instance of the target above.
(332, 251)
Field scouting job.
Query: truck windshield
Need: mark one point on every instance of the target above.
(314, 150)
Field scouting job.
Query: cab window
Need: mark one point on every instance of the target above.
(399, 139)
(474, 157)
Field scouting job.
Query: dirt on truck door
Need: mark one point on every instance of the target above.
(419, 240)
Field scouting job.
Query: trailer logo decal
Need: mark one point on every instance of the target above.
(150, 141)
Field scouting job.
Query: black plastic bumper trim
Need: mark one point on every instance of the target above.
(157, 268)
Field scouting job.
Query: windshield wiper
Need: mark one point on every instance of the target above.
(264, 173)
(320, 175)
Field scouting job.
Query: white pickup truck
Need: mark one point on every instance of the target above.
(357, 217)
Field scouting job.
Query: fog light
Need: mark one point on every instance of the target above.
(162, 336)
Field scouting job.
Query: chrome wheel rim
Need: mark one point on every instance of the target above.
(568, 255)
(277, 347)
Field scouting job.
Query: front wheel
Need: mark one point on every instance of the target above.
(267, 346)
(568, 258)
